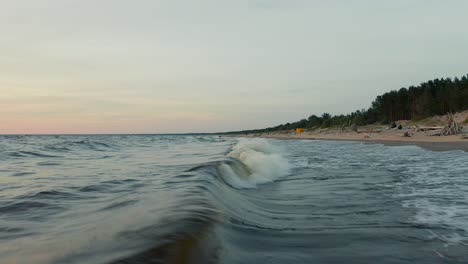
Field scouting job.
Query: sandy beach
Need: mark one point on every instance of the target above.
(424, 133)
(390, 137)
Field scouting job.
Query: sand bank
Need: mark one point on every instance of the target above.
(390, 137)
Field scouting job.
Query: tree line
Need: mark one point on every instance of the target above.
(434, 97)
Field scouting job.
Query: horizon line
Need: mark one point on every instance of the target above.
(109, 134)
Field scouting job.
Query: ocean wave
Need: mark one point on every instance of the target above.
(25, 154)
(65, 146)
(26, 206)
(49, 194)
(253, 162)
(141, 203)
(92, 145)
(25, 173)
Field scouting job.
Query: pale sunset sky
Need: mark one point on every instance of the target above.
(114, 66)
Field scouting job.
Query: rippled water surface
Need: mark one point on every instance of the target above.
(208, 199)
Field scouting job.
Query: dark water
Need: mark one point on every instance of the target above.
(203, 199)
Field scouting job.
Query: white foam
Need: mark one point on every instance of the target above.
(436, 187)
(263, 160)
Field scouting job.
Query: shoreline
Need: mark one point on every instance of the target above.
(433, 143)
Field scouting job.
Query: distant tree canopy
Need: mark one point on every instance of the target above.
(435, 97)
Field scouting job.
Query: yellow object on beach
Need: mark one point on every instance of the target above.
(299, 130)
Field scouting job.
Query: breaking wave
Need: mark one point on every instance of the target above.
(253, 162)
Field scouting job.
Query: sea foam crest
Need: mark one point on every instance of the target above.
(254, 161)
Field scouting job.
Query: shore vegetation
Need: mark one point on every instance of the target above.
(431, 98)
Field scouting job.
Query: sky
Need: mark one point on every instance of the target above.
(114, 66)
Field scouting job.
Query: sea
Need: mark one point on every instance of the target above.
(213, 199)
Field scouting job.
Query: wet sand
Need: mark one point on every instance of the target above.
(424, 139)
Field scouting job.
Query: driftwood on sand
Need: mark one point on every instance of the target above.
(452, 127)
(420, 129)
(407, 134)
